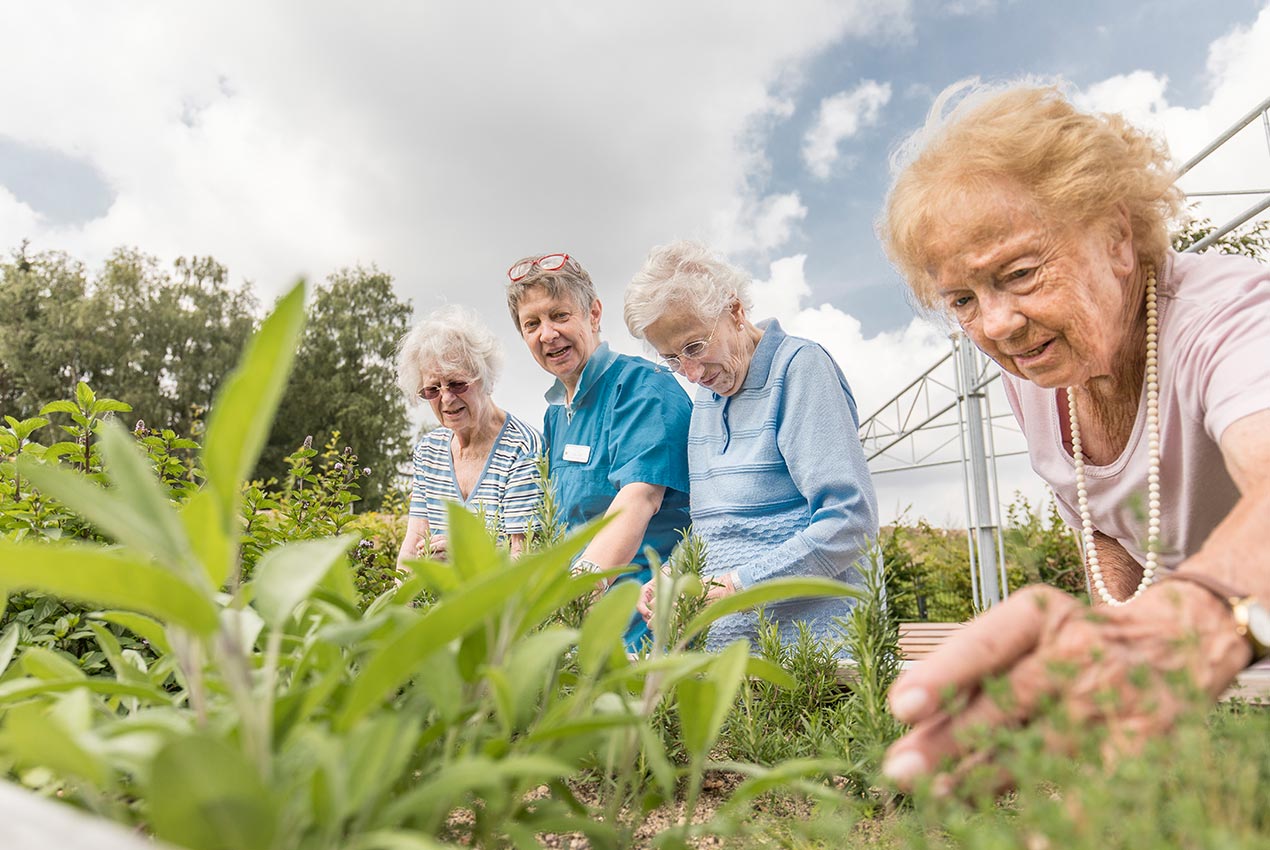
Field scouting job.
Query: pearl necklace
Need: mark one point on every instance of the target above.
(1153, 467)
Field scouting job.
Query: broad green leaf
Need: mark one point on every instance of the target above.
(287, 574)
(243, 411)
(109, 644)
(8, 643)
(604, 627)
(209, 535)
(46, 664)
(525, 672)
(765, 592)
(376, 755)
(20, 690)
(34, 736)
(146, 628)
(108, 578)
(472, 550)
(84, 396)
(704, 703)
(243, 624)
(760, 668)
(205, 795)
(120, 517)
(110, 405)
(136, 485)
(454, 616)
(60, 406)
(438, 794)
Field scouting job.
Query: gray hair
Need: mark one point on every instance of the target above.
(570, 279)
(450, 339)
(683, 275)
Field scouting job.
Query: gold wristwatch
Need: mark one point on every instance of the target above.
(1252, 619)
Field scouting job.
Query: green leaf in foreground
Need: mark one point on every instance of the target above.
(106, 578)
(244, 410)
(288, 574)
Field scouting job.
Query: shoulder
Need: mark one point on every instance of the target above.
(434, 439)
(522, 435)
(636, 373)
(1212, 297)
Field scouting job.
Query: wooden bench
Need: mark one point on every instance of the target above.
(917, 640)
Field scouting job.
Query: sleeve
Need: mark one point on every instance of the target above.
(1224, 371)
(818, 434)
(419, 483)
(524, 491)
(648, 438)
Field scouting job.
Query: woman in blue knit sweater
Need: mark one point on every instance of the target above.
(778, 482)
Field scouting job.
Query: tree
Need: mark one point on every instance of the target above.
(345, 380)
(46, 343)
(132, 332)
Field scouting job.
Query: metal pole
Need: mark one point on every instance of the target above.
(958, 342)
(985, 531)
(1226, 136)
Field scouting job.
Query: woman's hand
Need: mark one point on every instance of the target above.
(717, 588)
(1104, 671)
(435, 547)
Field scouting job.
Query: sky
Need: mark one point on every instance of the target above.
(440, 141)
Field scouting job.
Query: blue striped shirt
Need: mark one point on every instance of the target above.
(507, 493)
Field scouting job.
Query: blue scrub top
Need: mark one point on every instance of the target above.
(628, 422)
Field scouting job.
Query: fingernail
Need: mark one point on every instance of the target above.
(910, 702)
(904, 766)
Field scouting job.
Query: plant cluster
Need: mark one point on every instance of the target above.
(233, 691)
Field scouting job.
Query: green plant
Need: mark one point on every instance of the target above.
(281, 714)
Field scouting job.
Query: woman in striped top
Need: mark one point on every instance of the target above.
(481, 456)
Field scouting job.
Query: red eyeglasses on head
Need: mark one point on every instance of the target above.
(546, 263)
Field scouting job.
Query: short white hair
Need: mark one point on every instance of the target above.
(683, 275)
(449, 340)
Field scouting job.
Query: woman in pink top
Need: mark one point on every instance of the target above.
(1141, 379)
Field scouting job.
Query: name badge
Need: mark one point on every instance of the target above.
(577, 454)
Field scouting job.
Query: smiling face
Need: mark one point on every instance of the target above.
(458, 412)
(561, 335)
(1053, 305)
(723, 365)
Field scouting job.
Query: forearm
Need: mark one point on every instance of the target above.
(619, 542)
(416, 531)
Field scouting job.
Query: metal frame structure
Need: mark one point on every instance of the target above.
(950, 405)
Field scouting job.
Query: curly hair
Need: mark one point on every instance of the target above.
(684, 275)
(1076, 168)
(451, 340)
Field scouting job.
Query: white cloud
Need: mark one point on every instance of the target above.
(841, 117)
(1238, 67)
(440, 141)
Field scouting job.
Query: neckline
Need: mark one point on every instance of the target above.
(489, 458)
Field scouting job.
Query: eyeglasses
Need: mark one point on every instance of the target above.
(547, 263)
(692, 351)
(455, 388)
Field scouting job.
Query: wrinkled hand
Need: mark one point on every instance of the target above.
(1102, 669)
(648, 596)
(717, 587)
(435, 547)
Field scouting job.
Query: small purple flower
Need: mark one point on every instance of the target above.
(365, 470)
(338, 467)
(308, 442)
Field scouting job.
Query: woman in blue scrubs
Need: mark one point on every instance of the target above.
(616, 426)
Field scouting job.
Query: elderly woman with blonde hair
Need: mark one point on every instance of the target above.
(779, 484)
(1141, 380)
(481, 456)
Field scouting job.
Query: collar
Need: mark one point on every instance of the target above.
(599, 361)
(764, 353)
